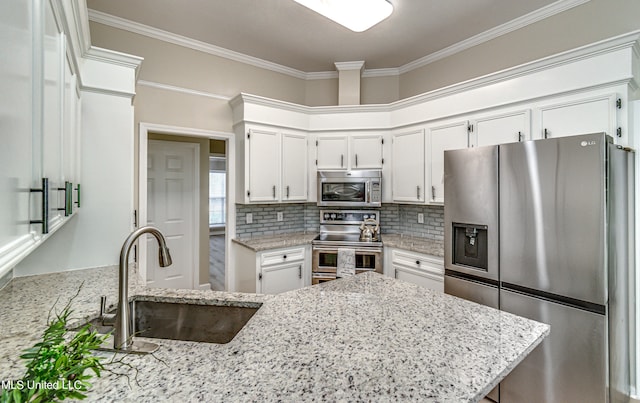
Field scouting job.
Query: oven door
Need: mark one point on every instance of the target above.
(325, 260)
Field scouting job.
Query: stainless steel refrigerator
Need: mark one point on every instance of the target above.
(544, 229)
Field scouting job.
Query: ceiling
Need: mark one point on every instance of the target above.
(288, 34)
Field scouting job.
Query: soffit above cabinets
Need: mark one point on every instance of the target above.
(288, 34)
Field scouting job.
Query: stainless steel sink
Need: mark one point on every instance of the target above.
(189, 322)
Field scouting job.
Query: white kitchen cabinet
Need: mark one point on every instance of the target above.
(501, 129)
(449, 137)
(294, 167)
(263, 160)
(332, 152)
(349, 151)
(408, 166)
(366, 151)
(591, 115)
(272, 271)
(424, 270)
(273, 166)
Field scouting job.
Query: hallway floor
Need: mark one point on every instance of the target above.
(216, 262)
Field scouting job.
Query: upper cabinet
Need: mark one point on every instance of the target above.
(349, 151)
(332, 152)
(407, 166)
(366, 151)
(580, 116)
(294, 167)
(501, 129)
(273, 165)
(41, 107)
(449, 137)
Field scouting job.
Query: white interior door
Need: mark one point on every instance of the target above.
(172, 204)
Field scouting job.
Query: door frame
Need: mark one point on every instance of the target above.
(230, 228)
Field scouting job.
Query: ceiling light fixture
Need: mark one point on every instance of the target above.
(357, 15)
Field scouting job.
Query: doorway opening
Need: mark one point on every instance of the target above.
(217, 214)
(212, 198)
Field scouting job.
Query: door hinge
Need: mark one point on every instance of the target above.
(382, 141)
(248, 135)
(383, 161)
(619, 103)
(248, 193)
(316, 162)
(316, 143)
(260, 276)
(619, 131)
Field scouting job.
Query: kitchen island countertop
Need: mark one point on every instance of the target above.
(364, 338)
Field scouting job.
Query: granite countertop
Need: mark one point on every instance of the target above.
(416, 244)
(362, 338)
(276, 241)
(421, 245)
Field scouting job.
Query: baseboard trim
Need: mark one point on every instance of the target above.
(207, 286)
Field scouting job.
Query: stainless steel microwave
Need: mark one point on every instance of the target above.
(350, 188)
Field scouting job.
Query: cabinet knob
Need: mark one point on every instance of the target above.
(418, 262)
(284, 256)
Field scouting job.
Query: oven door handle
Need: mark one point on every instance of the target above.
(335, 249)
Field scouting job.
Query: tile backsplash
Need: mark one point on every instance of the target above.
(394, 218)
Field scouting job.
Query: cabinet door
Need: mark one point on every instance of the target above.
(294, 167)
(16, 150)
(50, 137)
(407, 173)
(366, 152)
(332, 152)
(281, 278)
(263, 159)
(444, 138)
(502, 129)
(421, 278)
(594, 115)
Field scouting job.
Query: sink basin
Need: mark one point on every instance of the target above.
(189, 322)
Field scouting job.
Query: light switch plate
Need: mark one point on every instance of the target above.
(279, 216)
(420, 218)
(249, 218)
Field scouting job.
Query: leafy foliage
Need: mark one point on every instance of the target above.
(59, 366)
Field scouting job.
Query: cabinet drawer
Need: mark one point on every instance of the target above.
(417, 261)
(282, 256)
(420, 277)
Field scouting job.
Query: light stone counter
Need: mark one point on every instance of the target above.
(276, 241)
(364, 338)
(415, 244)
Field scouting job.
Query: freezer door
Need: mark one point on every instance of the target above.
(569, 365)
(552, 216)
(471, 211)
(475, 292)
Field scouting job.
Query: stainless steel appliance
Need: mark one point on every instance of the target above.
(341, 229)
(361, 188)
(543, 229)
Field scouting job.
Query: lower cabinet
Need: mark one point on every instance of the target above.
(272, 271)
(424, 270)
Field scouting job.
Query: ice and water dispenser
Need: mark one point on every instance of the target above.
(470, 247)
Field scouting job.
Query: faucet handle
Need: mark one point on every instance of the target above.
(107, 319)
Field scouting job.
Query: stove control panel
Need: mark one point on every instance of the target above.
(347, 216)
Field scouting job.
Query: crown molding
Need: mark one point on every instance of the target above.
(145, 30)
(165, 36)
(347, 66)
(182, 90)
(628, 40)
(521, 22)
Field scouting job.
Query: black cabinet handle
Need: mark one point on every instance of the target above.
(45, 205)
(418, 262)
(78, 195)
(284, 256)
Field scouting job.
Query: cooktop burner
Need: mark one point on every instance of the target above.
(342, 228)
